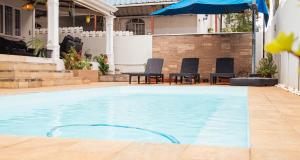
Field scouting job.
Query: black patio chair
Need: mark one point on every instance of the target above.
(153, 70)
(189, 71)
(224, 69)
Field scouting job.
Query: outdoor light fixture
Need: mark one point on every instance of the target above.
(28, 7)
(88, 19)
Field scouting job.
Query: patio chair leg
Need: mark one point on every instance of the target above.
(156, 79)
(129, 79)
(181, 79)
(146, 79)
(170, 80)
(176, 79)
(139, 79)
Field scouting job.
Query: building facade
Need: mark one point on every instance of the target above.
(134, 16)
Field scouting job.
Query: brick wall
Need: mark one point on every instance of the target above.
(206, 47)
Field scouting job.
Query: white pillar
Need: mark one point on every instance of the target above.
(271, 10)
(109, 42)
(202, 23)
(53, 28)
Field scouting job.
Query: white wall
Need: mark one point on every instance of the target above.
(286, 19)
(27, 20)
(259, 48)
(175, 24)
(131, 52)
(164, 24)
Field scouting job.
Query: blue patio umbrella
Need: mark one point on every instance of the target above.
(213, 7)
(218, 7)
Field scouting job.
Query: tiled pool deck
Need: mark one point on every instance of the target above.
(274, 135)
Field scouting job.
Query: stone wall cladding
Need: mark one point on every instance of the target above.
(206, 47)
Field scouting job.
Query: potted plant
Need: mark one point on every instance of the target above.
(38, 48)
(267, 67)
(103, 65)
(79, 66)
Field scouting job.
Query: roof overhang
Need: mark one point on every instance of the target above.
(145, 4)
(98, 6)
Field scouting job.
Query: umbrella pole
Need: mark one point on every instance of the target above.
(253, 39)
(264, 34)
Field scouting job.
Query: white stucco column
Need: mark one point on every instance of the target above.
(53, 29)
(271, 10)
(109, 42)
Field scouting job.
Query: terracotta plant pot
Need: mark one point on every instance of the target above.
(91, 75)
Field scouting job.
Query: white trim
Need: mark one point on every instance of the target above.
(97, 5)
(217, 33)
(144, 4)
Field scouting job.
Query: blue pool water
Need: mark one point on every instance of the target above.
(182, 114)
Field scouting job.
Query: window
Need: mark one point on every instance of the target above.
(1, 19)
(8, 20)
(137, 26)
(17, 22)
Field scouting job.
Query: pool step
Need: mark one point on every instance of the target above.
(19, 74)
(33, 83)
(20, 83)
(27, 66)
(34, 74)
(64, 81)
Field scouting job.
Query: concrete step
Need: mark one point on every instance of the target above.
(63, 81)
(29, 66)
(20, 83)
(34, 74)
(32, 83)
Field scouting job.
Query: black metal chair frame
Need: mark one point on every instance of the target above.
(224, 69)
(153, 70)
(189, 71)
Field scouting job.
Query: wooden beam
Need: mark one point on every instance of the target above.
(95, 22)
(152, 21)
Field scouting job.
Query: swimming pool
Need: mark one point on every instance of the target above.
(165, 114)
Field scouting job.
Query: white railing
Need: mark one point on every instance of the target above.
(130, 51)
(288, 64)
(289, 72)
(78, 31)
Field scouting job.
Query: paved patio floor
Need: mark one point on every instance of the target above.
(274, 135)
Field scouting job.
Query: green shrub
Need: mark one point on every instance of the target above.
(38, 45)
(267, 67)
(73, 61)
(83, 65)
(102, 61)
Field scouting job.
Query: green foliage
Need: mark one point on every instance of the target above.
(73, 61)
(84, 64)
(103, 66)
(38, 45)
(267, 66)
(238, 22)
